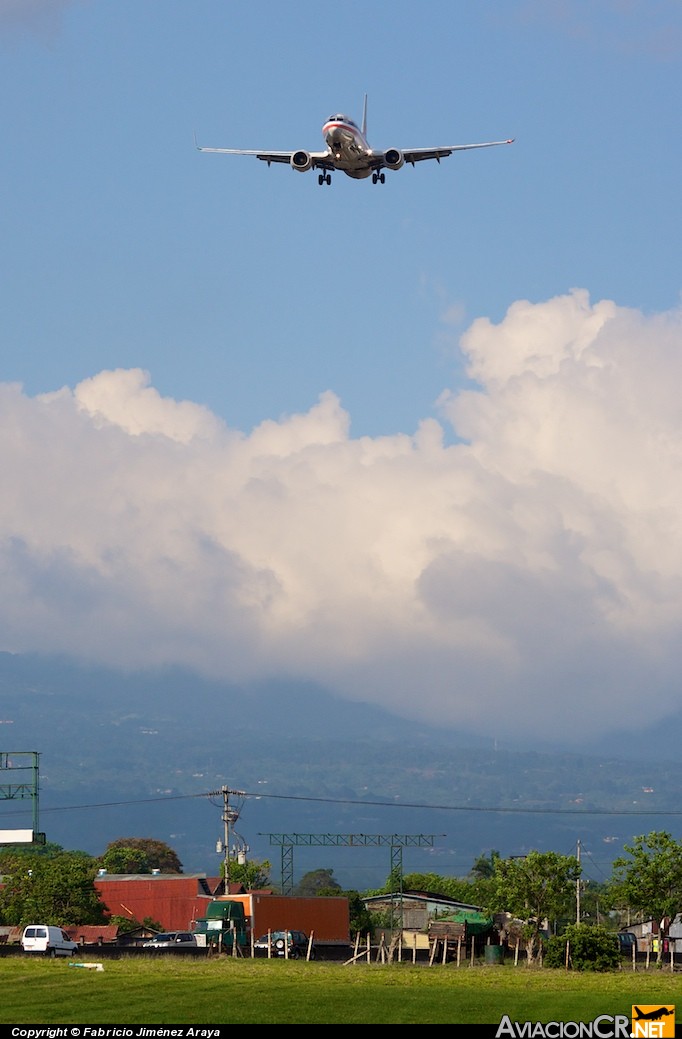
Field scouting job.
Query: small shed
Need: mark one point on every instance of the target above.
(10, 935)
(418, 908)
(93, 934)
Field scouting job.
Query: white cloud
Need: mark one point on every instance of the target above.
(125, 399)
(527, 580)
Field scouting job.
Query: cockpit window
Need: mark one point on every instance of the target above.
(340, 118)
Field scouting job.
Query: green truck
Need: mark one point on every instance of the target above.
(224, 924)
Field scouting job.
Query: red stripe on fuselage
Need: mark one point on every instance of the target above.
(335, 124)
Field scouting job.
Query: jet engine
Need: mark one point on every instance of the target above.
(301, 161)
(394, 159)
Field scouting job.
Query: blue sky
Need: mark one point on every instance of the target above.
(244, 288)
(173, 320)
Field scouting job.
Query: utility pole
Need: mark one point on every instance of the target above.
(226, 834)
(230, 816)
(577, 889)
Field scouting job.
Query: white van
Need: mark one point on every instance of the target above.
(49, 940)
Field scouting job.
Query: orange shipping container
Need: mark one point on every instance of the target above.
(327, 918)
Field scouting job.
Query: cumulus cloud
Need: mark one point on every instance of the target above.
(525, 579)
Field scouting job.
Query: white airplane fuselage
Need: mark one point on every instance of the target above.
(348, 147)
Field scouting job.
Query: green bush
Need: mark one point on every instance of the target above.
(590, 947)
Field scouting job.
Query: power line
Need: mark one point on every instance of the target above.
(509, 810)
(115, 804)
(471, 808)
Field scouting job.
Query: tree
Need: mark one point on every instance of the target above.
(125, 860)
(140, 855)
(435, 884)
(586, 946)
(252, 875)
(481, 877)
(59, 890)
(129, 923)
(536, 888)
(484, 866)
(361, 921)
(318, 881)
(650, 880)
(46, 850)
(596, 902)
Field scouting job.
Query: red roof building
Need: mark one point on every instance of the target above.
(93, 934)
(174, 900)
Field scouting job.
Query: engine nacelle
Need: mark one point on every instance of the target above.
(301, 161)
(394, 159)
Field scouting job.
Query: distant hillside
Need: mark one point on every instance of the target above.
(128, 754)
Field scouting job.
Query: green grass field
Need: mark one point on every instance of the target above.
(227, 991)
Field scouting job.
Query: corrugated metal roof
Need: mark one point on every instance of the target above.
(157, 876)
(173, 900)
(93, 934)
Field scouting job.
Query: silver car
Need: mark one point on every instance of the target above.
(292, 944)
(171, 940)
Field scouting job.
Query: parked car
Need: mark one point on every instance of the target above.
(48, 940)
(293, 944)
(171, 940)
(627, 941)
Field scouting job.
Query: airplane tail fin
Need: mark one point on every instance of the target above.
(364, 118)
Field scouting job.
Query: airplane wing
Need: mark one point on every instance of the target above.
(320, 160)
(266, 156)
(413, 155)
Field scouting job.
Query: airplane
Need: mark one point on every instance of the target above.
(653, 1015)
(348, 152)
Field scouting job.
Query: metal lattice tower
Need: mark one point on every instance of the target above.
(22, 772)
(395, 841)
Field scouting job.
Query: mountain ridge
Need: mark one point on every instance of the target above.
(126, 753)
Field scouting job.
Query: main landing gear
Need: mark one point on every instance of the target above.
(378, 178)
(324, 178)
